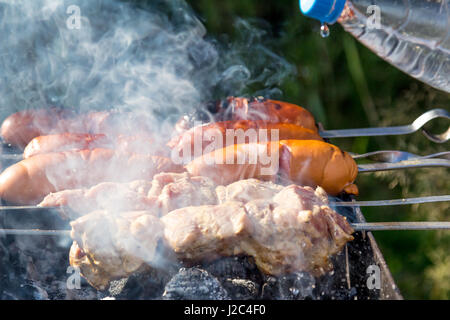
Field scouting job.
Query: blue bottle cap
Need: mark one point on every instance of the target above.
(323, 10)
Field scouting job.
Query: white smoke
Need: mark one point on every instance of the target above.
(103, 54)
(154, 60)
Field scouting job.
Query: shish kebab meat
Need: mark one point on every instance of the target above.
(193, 214)
(285, 229)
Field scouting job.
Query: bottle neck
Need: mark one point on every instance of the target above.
(326, 11)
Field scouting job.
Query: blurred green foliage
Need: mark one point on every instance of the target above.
(345, 85)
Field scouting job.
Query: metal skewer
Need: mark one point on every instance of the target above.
(373, 203)
(386, 226)
(393, 202)
(406, 164)
(12, 156)
(34, 232)
(397, 156)
(396, 130)
(381, 156)
(367, 226)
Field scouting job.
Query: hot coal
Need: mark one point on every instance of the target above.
(194, 284)
(39, 271)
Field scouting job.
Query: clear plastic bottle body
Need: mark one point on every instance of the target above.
(413, 35)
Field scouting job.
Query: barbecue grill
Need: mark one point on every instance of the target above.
(26, 259)
(34, 245)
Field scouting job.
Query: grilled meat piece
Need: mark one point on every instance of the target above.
(294, 230)
(247, 190)
(166, 192)
(175, 191)
(281, 238)
(108, 247)
(286, 239)
(111, 196)
(207, 232)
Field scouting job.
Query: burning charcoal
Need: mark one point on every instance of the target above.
(146, 285)
(239, 276)
(241, 267)
(194, 284)
(242, 289)
(298, 286)
(270, 289)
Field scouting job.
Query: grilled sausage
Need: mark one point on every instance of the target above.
(30, 180)
(21, 127)
(272, 111)
(220, 134)
(305, 162)
(142, 144)
(65, 142)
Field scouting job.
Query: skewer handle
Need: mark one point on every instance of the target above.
(397, 130)
(393, 202)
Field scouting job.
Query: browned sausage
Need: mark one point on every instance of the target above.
(305, 162)
(272, 111)
(235, 132)
(65, 142)
(21, 127)
(142, 144)
(30, 180)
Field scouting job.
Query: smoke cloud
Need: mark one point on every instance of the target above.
(100, 54)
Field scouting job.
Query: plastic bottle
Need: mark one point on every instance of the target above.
(413, 35)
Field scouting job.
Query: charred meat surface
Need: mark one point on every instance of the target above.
(295, 230)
